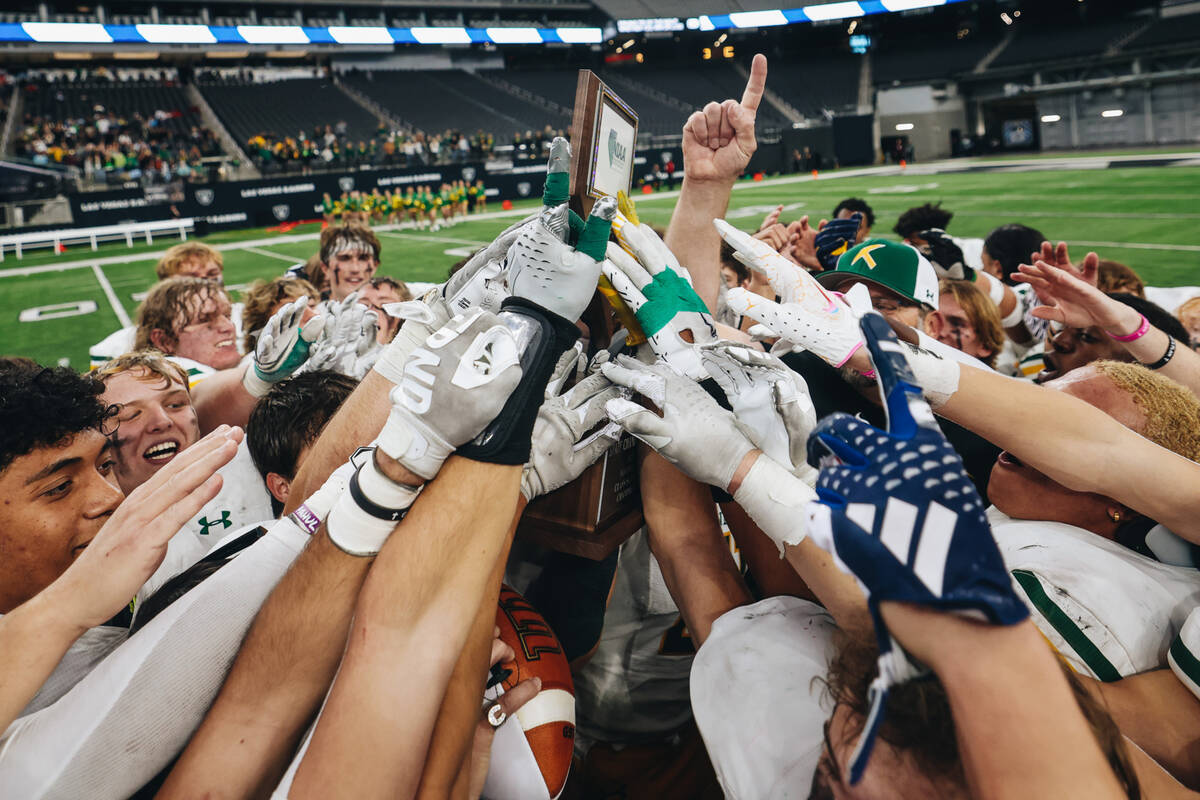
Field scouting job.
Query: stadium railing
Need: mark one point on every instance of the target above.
(19, 242)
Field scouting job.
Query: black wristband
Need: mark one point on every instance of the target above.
(370, 507)
(507, 439)
(1167, 356)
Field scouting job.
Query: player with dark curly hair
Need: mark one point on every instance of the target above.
(922, 218)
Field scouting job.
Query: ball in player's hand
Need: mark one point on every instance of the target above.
(531, 754)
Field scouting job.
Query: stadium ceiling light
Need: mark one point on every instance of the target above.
(904, 126)
(514, 35)
(365, 34)
(272, 34)
(758, 19)
(135, 55)
(176, 34)
(85, 32)
(1112, 113)
(1051, 118)
(287, 53)
(227, 54)
(829, 11)
(72, 55)
(580, 35)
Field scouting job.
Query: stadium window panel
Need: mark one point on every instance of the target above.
(272, 34)
(88, 32)
(828, 11)
(176, 34)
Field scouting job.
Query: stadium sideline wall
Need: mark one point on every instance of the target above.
(1162, 113)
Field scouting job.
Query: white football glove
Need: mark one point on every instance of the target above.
(545, 270)
(809, 316)
(769, 399)
(562, 445)
(349, 333)
(283, 347)
(658, 290)
(453, 385)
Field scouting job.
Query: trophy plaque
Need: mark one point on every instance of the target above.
(593, 514)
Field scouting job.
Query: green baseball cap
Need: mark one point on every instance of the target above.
(891, 265)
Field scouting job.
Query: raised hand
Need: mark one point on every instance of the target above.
(945, 256)
(694, 433)
(565, 441)
(1088, 271)
(1072, 301)
(453, 386)
(658, 290)
(809, 316)
(834, 238)
(803, 238)
(719, 140)
(898, 512)
(545, 270)
(283, 346)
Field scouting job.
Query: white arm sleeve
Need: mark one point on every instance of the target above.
(120, 725)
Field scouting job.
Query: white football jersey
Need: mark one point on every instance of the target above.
(1110, 612)
(757, 702)
(635, 685)
(242, 502)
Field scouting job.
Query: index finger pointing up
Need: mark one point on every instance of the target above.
(757, 83)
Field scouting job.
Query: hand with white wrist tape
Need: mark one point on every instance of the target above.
(283, 346)
(897, 510)
(565, 438)
(709, 444)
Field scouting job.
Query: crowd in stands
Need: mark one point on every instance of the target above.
(331, 147)
(914, 517)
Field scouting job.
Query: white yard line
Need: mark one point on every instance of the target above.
(261, 252)
(117, 308)
(1185, 248)
(431, 238)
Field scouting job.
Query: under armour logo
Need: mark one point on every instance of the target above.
(865, 255)
(223, 522)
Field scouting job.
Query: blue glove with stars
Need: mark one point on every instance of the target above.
(897, 511)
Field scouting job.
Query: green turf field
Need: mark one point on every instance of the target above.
(1146, 217)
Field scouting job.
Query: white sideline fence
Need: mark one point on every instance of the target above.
(20, 242)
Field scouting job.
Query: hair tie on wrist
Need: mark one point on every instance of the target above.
(1167, 356)
(1141, 331)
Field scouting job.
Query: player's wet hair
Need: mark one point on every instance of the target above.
(341, 238)
(922, 218)
(919, 723)
(45, 407)
(150, 361)
(859, 205)
(178, 255)
(169, 305)
(1011, 245)
(399, 286)
(1113, 276)
(290, 417)
(262, 297)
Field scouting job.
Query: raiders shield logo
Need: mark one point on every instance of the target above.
(523, 188)
(281, 211)
(204, 197)
(346, 183)
(468, 174)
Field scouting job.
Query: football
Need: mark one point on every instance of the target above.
(531, 754)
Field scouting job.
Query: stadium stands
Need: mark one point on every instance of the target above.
(830, 83)
(286, 108)
(931, 57)
(1052, 43)
(1168, 31)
